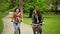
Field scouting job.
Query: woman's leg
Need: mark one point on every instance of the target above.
(14, 27)
(40, 27)
(19, 28)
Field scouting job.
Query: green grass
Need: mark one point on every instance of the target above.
(52, 23)
(27, 20)
(1, 22)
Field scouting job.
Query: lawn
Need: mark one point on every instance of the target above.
(52, 23)
(1, 22)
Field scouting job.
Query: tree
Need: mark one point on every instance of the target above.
(21, 5)
(30, 5)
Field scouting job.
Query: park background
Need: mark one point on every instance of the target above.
(49, 8)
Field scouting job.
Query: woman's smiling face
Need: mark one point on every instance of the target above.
(17, 10)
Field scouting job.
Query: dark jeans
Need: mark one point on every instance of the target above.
(40, 29)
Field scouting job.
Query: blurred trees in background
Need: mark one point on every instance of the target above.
(41, 5)
(3, 5)
(30, 5)
(55, 5)
(35, 4)
(6, 5)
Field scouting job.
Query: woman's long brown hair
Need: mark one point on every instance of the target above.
(38, 13)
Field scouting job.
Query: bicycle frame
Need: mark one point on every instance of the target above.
(36, 28)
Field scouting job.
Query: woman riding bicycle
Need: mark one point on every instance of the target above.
(17, 19)
(37, 19)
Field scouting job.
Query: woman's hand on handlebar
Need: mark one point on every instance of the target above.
(43, 22)
(11, 21)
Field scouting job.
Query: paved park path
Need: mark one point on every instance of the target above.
(9, 29)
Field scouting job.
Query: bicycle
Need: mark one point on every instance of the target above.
(36, 28)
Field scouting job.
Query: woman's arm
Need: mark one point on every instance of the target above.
(42, 20)
(32, 19)
(18, 14)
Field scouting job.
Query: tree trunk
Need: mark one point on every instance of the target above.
(21, 6)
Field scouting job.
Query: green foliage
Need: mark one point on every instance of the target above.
(13, 9)
(13, 3)
(1, 22)
(52, 23)
(5, 5)
(28, 5)
(41, 5)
